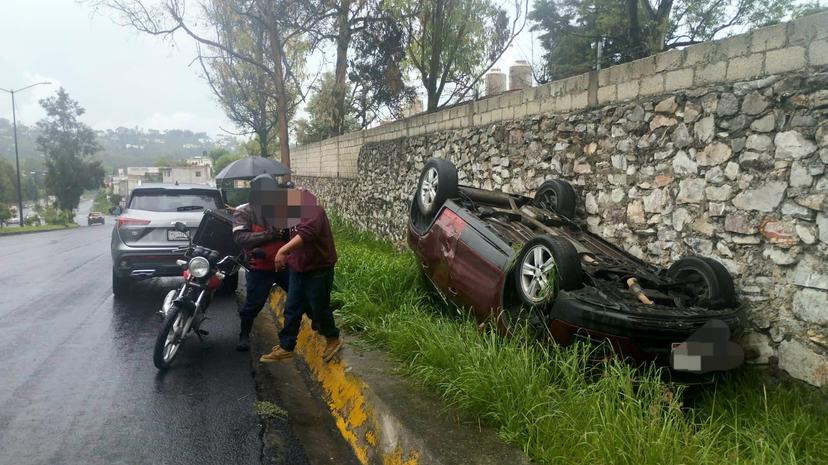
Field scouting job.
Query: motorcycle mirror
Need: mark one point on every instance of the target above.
(181, 227)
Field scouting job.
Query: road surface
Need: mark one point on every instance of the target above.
(78, 385)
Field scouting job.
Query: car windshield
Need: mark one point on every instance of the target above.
(174, 201)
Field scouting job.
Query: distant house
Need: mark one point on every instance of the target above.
(190, 174)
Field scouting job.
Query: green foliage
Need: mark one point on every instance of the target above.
(269, 410)
(8, 183)
(225, 160)
(560, 405)
(632, 29)
(100, 203)
(451, 43)
(5, 214)
(69, 146)
(54, 215)
(168, 161)
(320, 124)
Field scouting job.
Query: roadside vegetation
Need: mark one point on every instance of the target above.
(16, 229)
(556, 404)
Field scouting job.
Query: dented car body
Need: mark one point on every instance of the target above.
(508, 257)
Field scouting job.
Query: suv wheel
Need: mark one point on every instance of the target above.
(438, 182)
(119, 284)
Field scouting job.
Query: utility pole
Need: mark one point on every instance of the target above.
(16, 155)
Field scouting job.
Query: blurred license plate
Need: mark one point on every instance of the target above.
(173, 235)
(683, 358)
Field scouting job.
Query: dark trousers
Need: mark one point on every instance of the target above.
(309, 293)
(258, 289)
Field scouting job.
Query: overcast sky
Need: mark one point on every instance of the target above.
(121, 77)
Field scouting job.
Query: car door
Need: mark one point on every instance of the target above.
(437, 246)
(476, 269)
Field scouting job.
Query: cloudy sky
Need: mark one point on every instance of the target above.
(121, 77)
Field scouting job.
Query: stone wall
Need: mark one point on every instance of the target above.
(732, 170)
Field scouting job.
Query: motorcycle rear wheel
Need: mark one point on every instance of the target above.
(170, 337)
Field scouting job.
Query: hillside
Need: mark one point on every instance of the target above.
(121, 147)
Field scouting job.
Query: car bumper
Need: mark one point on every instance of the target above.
(691, 344)
(144, 262)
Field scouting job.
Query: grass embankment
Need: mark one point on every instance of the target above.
(15, 229)
(549, 402)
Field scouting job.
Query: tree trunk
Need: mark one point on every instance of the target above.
(639, 47)
(436, 50)
(343, 40)
(275, 40)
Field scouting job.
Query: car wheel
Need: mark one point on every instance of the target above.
(706, 281)
(119, 285)
(557, 196)
(438, 182)
(545, 265)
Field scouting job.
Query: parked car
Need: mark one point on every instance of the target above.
(94, 218)
(145, 243)
(511, 259)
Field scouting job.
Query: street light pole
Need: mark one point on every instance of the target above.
(16, 155)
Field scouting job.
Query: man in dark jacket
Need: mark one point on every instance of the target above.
(260, 242)
(310, 255)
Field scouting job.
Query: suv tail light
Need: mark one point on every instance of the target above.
(122, 222)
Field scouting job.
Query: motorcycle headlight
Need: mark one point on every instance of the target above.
(199, 267)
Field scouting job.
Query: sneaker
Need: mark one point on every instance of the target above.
(278, 354)
(332, 347)
(244, 343)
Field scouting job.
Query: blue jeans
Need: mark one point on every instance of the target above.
(309, 293)
(258, 289)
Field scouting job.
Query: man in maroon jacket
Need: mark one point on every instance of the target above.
(310, 255)
(260, 242)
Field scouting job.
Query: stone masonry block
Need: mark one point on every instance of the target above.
(678, 79)
(534, 107)
(528, 94)
(606, 94)
(805, 30)
(735, 46)
(619, 73)
(562, 104)
(818, 53)
(669, 60)
(580, 101)
(786, 59)
(643, 67)
(576, 84)
(604, 77)
(745, 67)
(703, 53)
(628, 90)
(768, 38)
(714, 72)
(556, 88)
(652, 85)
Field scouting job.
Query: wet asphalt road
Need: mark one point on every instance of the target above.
(77, 383)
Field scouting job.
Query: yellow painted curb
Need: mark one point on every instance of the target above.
(346, 397)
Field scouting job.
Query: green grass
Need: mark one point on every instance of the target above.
(554, 403)
(14, 229)
(269, 410)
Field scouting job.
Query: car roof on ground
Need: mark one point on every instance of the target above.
(158, 185)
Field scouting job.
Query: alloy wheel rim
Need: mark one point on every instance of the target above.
(428, 188)
(535, 273)
(174, 338)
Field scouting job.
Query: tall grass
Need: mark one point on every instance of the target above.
(552, 402)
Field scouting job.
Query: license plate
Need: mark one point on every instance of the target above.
(683, 360)
(173, 235)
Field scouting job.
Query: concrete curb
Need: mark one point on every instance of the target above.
(384, 417)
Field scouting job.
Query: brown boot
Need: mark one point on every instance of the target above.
(278, 354)
(332, 346)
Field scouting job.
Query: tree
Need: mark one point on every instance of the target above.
(376, 72)
(631, 29)
(8, 183)
(225, 160)
(69, 146)
(451, 44)
(166, 160)
(283, 25)
(321, 123)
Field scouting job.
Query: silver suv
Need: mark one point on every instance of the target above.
(144, 241)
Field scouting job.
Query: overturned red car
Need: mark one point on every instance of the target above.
(510, 258)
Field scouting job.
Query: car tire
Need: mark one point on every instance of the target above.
(558, 196)
(230, 284)
(708, 281)
(119, 284)
(539, 250)
(438, 182)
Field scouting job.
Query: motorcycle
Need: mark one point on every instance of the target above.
(184, 309)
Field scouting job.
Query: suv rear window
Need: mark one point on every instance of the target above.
(172, 201)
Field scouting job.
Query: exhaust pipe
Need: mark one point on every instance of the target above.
(142, 274)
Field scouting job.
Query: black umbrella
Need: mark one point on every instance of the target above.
(249, 167)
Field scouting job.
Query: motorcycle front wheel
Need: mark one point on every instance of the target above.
(170, 337)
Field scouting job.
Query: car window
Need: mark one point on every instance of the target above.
(174, 201)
